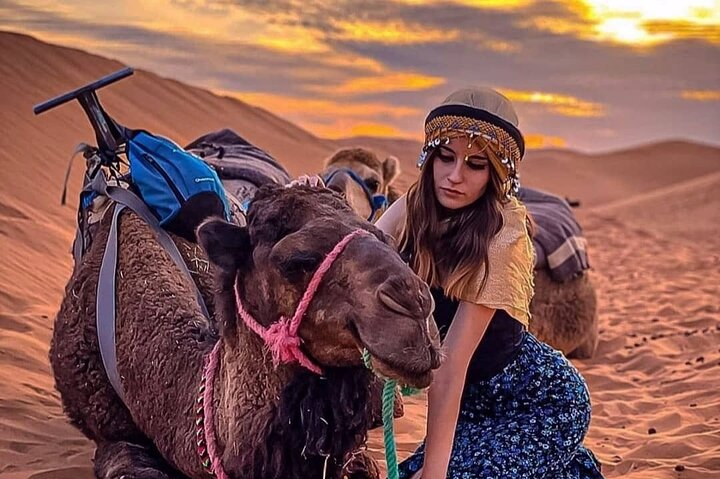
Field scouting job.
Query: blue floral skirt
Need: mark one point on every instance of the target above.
(528, 421)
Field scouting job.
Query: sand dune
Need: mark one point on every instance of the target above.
(650, 215)
(688, 211)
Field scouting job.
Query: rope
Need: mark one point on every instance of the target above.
(209, 371)
(388, 408)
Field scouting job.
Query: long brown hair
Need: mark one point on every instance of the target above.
(447, 248)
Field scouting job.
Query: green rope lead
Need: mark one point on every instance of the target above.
(388, 409)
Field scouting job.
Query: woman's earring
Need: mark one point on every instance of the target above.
(422, 158)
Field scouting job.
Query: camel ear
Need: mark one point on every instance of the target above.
(391, 169)
(227, 245)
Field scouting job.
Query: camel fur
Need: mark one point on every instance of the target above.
(271, 422)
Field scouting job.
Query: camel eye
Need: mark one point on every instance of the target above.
(300, 262)
(372, 184)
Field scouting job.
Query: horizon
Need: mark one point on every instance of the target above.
(631, 73)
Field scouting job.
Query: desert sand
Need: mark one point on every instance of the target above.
(651, 215)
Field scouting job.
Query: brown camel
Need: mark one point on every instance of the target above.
(377, 177)
(269, 421)
(564, 315)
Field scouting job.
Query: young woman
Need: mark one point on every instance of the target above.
(502, 405)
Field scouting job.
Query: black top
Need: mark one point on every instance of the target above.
(498, 347)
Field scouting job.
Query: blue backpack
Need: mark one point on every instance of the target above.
(178, 186)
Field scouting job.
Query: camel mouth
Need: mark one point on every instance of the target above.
(403, 376)
(389, 368)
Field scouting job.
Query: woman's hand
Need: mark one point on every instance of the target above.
(308, 180)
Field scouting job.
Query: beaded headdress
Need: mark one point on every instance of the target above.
(479, 114)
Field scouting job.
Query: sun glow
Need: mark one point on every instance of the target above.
(639, 23)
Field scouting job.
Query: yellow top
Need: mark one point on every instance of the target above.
(511, 260)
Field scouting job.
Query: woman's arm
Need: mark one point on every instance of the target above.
(467, 329)
(392, 221)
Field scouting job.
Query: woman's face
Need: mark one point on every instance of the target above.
(461, 174)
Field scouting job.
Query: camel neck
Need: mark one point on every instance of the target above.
(246, 386)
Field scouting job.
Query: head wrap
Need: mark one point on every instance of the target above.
(476, 113)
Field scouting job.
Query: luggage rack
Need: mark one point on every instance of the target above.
(110, 135)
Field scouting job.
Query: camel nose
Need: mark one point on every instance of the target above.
(406, 297)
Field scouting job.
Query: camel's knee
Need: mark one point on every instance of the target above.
(586, 349)
(360, 466)
(124, 460)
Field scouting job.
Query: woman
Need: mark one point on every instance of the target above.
(502, 405)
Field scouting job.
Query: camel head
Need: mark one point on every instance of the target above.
(358, 175)
(368, 299)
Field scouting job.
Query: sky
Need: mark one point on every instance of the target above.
(593, 75)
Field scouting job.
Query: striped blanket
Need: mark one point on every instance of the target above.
(241, 166)
(559, 244)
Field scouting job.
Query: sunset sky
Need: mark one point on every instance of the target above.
(587, 74)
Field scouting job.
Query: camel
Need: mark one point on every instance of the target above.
(263, 417)
(564, 307)
(359, 175)
(564, 314)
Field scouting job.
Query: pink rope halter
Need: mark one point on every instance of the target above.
(281, 337)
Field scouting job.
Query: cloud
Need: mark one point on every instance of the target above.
(285, 104)
(389, 82)
(633, 23)
(334, 119)
(376, 129)
(330, 66)
(536, 140)
(479, 4)
(701, 95)
(395, 32)
(557, 103)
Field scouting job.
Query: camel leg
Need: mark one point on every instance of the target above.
(116, 460)
(587, 348)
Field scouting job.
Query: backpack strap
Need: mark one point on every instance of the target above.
(105, 306)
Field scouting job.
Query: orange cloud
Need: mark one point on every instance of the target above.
(390, 82)
(565, 105)
(353, 62)
(637, 23)
(392, 33)
(292, 105)
(684, 29)
(376, 129)
(289, 39)
(701, 95)
(500, 45)
(346, 127)
(537, 140)
(479, 4)
(331, 119)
